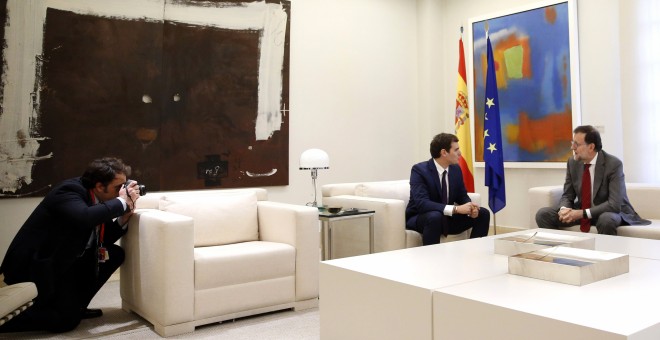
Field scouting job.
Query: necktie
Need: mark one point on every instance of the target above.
(443, 188)
(443, 200)
(585, 224)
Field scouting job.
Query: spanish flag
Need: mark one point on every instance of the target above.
(462, 122)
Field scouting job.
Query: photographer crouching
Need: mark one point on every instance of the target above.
(66, 246)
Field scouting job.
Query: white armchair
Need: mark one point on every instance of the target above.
(389, 200)
(199, 257)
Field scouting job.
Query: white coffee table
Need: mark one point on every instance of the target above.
(461, 290)
(389, 295)
(516, 307)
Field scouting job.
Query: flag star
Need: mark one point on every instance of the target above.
(492, 147)
(486, 134)
(485, 115)
(489, 102)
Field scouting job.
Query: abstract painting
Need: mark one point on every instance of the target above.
(191, 94)
(535, 54)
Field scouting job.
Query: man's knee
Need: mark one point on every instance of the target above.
(484, 215)
(482, 224)
(483, 219)
(607, 223)
(117, 253)
(545, 217)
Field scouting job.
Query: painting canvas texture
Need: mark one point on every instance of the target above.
(532, 67)
(190, 101)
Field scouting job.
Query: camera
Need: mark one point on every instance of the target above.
(141, 188)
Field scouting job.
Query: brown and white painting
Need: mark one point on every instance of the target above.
(191, 94)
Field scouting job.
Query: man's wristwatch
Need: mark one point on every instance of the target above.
(584, 213)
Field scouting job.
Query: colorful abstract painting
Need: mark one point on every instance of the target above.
(532, 55)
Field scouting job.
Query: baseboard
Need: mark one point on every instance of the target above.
(506, 229)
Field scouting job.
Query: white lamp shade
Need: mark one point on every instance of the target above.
(314, 159)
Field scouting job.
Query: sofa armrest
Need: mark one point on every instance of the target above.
(329, 190)
(389, 219)
(298, 226)
(475, 197)
(157, 276)
(642, 197)
(540, 197)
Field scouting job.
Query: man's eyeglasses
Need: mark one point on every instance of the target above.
(576, 144)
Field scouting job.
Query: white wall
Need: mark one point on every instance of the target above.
(640, 84)
(353, 91)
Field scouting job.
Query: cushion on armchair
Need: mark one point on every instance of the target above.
(218, 219)
(15, 298)
(399, 190)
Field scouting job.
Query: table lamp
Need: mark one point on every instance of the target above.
(314, 159)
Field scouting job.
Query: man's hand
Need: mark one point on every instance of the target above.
(567, 215)
(471, 209)
(130, 194)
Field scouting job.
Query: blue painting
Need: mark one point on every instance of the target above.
(533, 69)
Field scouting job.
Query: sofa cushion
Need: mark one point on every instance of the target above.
(399, 190)
(14, 297)
(218, 219)
(240, 263)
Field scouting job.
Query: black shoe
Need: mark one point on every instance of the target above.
(88, 313)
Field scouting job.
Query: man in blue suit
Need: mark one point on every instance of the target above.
(66, 246)
(439, 204)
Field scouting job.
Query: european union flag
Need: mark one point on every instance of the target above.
(493, 155)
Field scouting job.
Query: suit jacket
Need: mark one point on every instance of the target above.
(609, 189)
(57, 233)
(425, 190)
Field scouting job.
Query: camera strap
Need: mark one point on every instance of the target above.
(103, 253)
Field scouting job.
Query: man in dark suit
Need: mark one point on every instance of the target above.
(436, 209)
(608, 206)
(66, 246)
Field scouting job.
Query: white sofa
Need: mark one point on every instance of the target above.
(643, 197)
(199, 257)
(389, 200)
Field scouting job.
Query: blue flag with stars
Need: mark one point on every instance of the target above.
(493, 155)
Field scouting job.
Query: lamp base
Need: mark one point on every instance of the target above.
(314, 175)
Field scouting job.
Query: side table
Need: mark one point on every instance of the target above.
(328, 218)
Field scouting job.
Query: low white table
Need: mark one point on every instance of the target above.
(516, 307)
(389, 295)
(462, 290)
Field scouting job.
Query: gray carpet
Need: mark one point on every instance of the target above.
(117, 324)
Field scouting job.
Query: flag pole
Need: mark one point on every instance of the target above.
(495, 223)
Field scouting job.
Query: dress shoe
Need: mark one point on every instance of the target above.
(88, 313)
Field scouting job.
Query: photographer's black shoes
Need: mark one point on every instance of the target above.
(88, 313)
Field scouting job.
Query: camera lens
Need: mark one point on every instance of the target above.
(143, 189)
